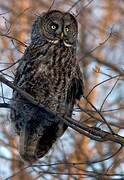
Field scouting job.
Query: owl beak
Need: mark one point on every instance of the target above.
(62, 35)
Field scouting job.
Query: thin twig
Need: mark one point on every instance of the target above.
(100, 84)
(2, 93)
(108, 94)
(10, 65)
(107, 64)
(75, 4)
(11, 37)
(98, 46)
(99, 114)
(1, 14)
(51, 5)
(4, 105)
(85, 6)
(103, 62)
(16, 47)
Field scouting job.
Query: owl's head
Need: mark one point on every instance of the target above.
(57, 27)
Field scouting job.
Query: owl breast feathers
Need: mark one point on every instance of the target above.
(49, 72)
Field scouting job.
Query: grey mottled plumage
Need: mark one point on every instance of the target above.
(49, 72)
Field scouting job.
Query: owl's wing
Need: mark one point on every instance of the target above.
(19, 71)
(75, 91)
(79, 83)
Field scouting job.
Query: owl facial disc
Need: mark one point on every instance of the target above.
(59, 28)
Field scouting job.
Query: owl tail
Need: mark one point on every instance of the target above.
(37, 138)
(28, 143)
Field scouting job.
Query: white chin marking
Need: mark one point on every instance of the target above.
(67, 45)
(53, 41)
(56, 41)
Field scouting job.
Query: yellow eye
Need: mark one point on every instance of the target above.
(53, 27)
(67, 29)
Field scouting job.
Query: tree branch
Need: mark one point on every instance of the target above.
(4, 105)
(91, 132)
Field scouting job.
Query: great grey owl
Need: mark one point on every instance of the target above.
(49, 72)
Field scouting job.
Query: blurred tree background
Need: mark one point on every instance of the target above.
(100, 53)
